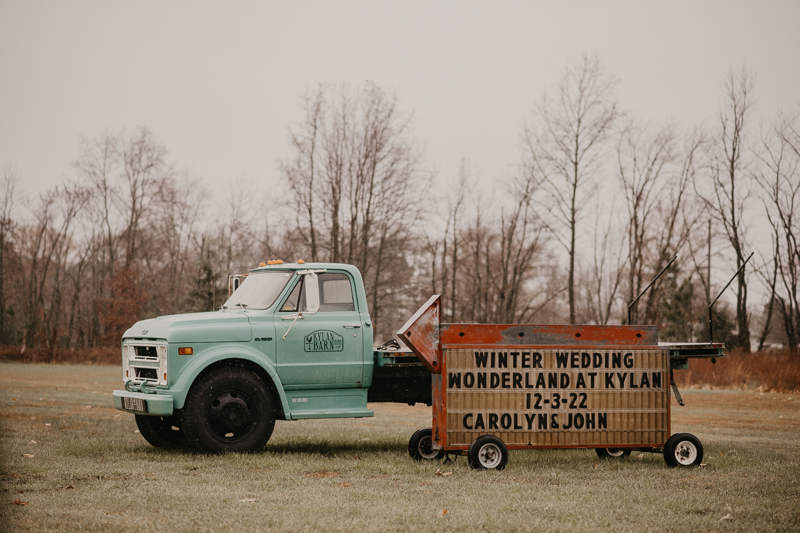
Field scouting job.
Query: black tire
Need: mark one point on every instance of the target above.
(487, 452)
(158, 431)
(229, 410)
(683, 449)
(420, 446)
(612, 453)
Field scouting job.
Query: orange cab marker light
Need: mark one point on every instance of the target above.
(262, 264)
(279, 262)
(301, 262)
(185, 351)
(165, 376)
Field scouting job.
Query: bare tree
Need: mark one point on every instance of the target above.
(302, 168)
(727, 191)
(47, 242)
(654, 174)
(565, 145)
(8, 197)
(780, 184)
(356, 178)
(603, 285)
(144, 168)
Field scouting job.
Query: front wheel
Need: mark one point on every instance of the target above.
(161, 431)
(487, 452)
(420, 446)
(683, 449)
(229, 410)
(612, 453)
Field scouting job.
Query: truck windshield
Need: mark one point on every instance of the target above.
(259, 290)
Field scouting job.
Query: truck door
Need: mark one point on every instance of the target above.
(322, 350)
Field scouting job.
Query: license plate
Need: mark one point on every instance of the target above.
(134, 404)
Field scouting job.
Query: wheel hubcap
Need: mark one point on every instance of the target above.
(685, 453)
(489, 456)
(425, 448)
(230, 413)
(614, 452)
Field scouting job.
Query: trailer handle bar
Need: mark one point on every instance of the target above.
(710, 321)
(630, 305)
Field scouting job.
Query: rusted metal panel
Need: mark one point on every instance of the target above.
(421, 334)
(527, 335)
(554, 397)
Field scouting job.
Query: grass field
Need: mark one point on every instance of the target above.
(91, 471)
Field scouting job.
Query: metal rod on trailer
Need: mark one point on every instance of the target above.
(710, 321)
(630, 305)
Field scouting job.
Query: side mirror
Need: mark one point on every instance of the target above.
(311, 288)
(234, 280)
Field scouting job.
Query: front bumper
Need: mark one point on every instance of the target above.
(154, 404)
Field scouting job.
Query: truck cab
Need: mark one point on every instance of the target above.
(293, 341)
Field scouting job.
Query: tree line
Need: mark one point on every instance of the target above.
(599, 202)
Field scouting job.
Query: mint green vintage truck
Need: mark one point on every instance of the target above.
(293, 341)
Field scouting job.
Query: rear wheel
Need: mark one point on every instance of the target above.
(230, 409)
(161, 431)
(683, 449)
(420, 446)
(487, 452)
(612, 453)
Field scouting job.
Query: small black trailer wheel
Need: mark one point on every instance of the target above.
(420, 446)
(683, 449)
(487, 452)
(612, 453)
(158, 431)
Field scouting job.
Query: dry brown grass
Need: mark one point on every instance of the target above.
(775, 370)
(767, 371)
(70, 462)
(82, 356)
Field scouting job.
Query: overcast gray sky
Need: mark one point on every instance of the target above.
(219, 83)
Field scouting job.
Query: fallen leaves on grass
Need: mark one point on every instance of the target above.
(728, 516)
(343, 485)
(28, 455)
(20, 502)
(48, 424)
(441, 513)
(440, 473)
(247, 500)
(322, 474)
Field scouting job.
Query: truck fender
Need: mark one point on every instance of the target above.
(180, 390)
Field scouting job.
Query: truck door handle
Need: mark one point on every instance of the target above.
(350, 326)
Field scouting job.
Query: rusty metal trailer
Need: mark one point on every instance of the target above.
(500, 387)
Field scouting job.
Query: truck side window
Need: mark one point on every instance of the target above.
(296, 299)
(335, 293)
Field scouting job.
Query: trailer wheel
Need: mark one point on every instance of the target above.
(487, 452)
(420, 446)
(683, 449)
(229, 410)
(157, 430)
(612, 453)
